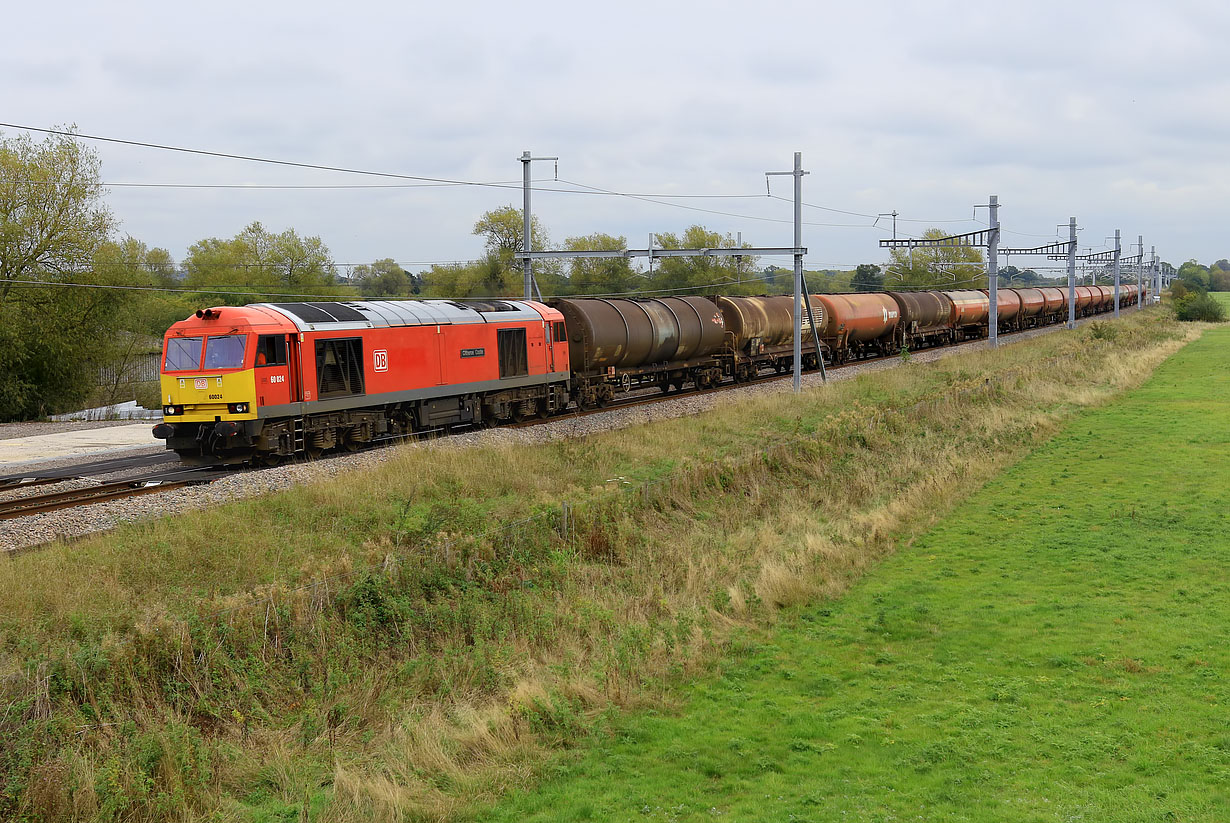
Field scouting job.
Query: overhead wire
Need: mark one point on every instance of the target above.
(429, 182)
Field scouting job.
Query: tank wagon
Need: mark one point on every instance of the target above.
(970, 310)
(618, 345)
(262, 382)
(1007, 308)
(925, 319)
(858, 325)
(760, 333)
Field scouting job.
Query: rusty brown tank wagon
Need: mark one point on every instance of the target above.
(1033, 303)
(622, 344)
(925, 319)
(1007, 308)
(1084, 301)
(970, 310)
(760, 333)
(859, 325)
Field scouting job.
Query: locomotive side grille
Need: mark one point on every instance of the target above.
(339, 367)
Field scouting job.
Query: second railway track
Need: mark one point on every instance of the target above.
(53, 501)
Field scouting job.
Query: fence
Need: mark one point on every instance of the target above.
(139, 369)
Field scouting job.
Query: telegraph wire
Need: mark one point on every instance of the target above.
(432, 182)
(254, 159)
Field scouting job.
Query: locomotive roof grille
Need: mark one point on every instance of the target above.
(484, 305)
(330, 312)
(366, 314)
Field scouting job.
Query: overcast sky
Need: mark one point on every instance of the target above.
(1117, 113)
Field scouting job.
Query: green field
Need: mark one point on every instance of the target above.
(1056, 649)
(419, 639)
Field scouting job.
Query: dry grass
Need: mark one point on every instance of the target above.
(449, 682)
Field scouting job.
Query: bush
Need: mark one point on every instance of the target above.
(1179, 289)
(1103, 331)
(1200, 307)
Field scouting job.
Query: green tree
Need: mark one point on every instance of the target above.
(53, 224)
(384, 279)
(867, 277)
(946, 267)
(603, 275)
(497, 273)
(1195, 275)
(718, 274)
(259, 261)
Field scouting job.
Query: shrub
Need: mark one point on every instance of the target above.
(1103, 331)
(1200, 307)
(1179, 289)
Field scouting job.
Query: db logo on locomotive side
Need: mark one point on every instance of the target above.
(380, 360)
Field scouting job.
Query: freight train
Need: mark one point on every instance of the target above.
(263, 382)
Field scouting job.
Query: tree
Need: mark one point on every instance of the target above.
(1195, 275)
(947, 267)
(256, 260)
(52, 216)
(497, 273)
(53, 223)
(867, 277)
(725, 274)
(603, 275)
(385, 278)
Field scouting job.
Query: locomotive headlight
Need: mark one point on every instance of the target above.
(237, 408)
(170, 411)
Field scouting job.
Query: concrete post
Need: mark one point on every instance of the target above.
(993, 272)
(1117, 250)
(1072, 273)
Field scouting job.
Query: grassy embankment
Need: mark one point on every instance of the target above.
(1055, 649)
(375, 646)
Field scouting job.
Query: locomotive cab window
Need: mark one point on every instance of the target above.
(183, 354)
(271, 350)
(561, 336)
(514, 359)
(224, 351)
(339, 367)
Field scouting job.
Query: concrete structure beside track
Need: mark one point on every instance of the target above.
(21, 450)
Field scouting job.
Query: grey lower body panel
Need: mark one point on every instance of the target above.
(407, 396)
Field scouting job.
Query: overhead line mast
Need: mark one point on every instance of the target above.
(798, 250)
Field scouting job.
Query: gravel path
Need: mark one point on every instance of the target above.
(38, 529)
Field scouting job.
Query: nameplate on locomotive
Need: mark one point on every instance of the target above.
(473, 352)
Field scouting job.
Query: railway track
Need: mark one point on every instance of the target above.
(35, 476)
(167, 480)
(104, 492)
